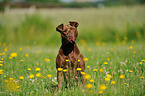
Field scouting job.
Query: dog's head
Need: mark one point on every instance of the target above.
(68, 32)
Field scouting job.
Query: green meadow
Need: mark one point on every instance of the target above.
(111, 40)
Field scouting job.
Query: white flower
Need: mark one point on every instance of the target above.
(54, 80)
(33, 81)
(126, 61)
(107, 72)
(107, 52)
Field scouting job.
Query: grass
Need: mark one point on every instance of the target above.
(108, 24)
(114, 35)
(121, 61)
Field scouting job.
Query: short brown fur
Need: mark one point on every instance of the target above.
(69, 51)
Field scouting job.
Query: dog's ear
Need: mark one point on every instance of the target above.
(59, 28)
(75, 24)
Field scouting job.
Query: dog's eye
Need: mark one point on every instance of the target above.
(65, 30)
(72, 28)
(64, 33)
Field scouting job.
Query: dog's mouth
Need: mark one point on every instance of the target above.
(72, 41)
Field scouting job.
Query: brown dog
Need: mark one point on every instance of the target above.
(69, 56)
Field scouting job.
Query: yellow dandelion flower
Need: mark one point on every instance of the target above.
(101, 70)
(112, 82)
(125, 38)
(10, 57)
(108, 59)
(89, 49)
(140, 63)
(83, 42)
(134, 52)
(95, 70)
(38, 52)
(111, 49)
(21, 60)
(108, 75)
(4, 44)
(37, 69)
(31, 76)
(66, 60)
(130, 71)
(18, 87)
(92, 80)
(1, 72)
(142, 77)
(100, 48)
(102, 87)
(85, 59)
(21, 77)
(88, 66)
(41, 76)
(11, 78)
(132, 41)
(65, 70)
(26, 55)
(107, 79)
(130, 47)
(83, 90)
(3, 53)
(100, 92)
(125, 83)
(46, 59)
(79, 60)
(59, 69)
(38, 74)
(103, 43)
(6, 81)
(105, 62)
(5, 76)
(143, 60)
(13, 54)
(20, 49)
(1, 64)
(49, 75)
(5, 49)
(37, 63)
(29, 69)
(78, 69)
(2, 58)
(123, 42)
(89, 86)
(1, 61)
(87, 76)
(83, 73)
(122, 76)
(98, 43)
(91, 91)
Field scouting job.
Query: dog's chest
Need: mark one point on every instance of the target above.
(72, 57)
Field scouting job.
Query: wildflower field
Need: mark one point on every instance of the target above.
(113, 48)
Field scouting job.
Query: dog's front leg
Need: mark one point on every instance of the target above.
(59, 78)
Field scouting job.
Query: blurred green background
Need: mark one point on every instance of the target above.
(106, 21)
